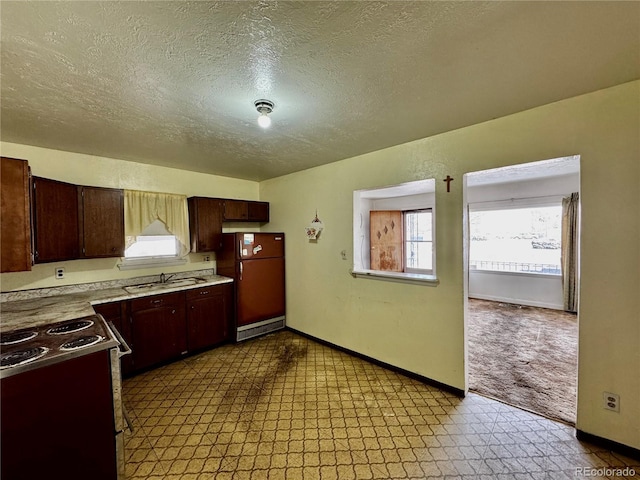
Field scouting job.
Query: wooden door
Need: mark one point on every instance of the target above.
(258, 211)
(386, 236)
(206, 318)
(15, 218)
(205, 223)
(102, 222)
(237, 210)
(148, 348)
(159, 334)
(55, 220)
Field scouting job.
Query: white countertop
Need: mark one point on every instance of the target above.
(38, 311)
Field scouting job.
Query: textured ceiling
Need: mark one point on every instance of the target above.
(173, 83)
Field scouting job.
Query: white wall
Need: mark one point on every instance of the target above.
(108, 172)
(421, 328)
(534, 290)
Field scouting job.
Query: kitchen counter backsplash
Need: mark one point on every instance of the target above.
(85, 287)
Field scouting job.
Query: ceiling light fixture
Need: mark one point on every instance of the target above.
(264, 107)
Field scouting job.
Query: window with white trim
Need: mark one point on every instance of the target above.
(154, 242)
(418, 241)
(394, 231)
(519, 236)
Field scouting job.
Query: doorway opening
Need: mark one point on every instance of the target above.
(521, 282)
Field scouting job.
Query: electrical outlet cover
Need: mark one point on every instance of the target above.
(611, 401)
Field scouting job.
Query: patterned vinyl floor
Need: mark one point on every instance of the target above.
(285, 407)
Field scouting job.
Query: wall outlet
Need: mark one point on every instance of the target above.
(60, 272)
(611, 401)
(206, 258)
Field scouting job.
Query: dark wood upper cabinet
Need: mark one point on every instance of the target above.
(101, 216)
(15, 218)
(246, 211)
(55, 220)
(258, 211)
(236, 210)
(205, 223)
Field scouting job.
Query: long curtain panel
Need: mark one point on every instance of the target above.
(570, 212)
(143, 208)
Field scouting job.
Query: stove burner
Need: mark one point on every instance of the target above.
(17, 337)
(21, 356)
(81, 342)
(70, 327)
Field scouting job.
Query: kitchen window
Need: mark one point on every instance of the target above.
(394, 232)
(156, 229)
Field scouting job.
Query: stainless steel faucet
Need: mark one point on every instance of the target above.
(164, 278)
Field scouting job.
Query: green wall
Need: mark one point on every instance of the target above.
(421, 328)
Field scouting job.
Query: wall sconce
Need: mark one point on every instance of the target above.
(314, 228)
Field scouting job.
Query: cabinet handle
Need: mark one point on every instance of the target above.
(206, 292)
(192, 307)
(173, 311)
(240, 270)
(157, 302)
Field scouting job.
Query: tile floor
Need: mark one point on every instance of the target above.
(285, 407)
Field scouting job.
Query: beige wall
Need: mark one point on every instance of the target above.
(421, 328)
(107, 172)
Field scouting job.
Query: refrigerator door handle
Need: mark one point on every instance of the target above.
(240, 270)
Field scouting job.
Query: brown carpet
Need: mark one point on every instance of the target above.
(524, 356)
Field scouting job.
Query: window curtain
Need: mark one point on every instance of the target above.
(143, 208)
(569, 254)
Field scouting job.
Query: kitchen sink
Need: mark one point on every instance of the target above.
(180, 282)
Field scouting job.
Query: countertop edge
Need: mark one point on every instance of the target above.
(38, 311)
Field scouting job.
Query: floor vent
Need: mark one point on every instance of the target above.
(260, 328)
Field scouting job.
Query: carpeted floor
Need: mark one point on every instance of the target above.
(524, 356)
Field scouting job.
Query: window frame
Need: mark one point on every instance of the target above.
(416, 195)
(512, 204)
(405, 241)
(137, 262)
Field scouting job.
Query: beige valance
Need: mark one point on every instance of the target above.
(143, 208)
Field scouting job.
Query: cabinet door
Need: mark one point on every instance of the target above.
(205, 223)
(206, 318)
(15, 221)
(159, 334)
(55, 220)
(102, 222)
(236, 210)
(258, 211)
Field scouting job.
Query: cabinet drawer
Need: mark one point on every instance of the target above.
(155, 301)
(203, 292)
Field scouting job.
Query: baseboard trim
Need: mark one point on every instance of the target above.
(625, 450)
(518, 301)
(426, 380)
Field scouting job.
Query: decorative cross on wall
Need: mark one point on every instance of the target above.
(448, 180)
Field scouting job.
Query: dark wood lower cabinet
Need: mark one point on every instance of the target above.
(57, 422)
(208, 316)
(161, 328)
(158, 327)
